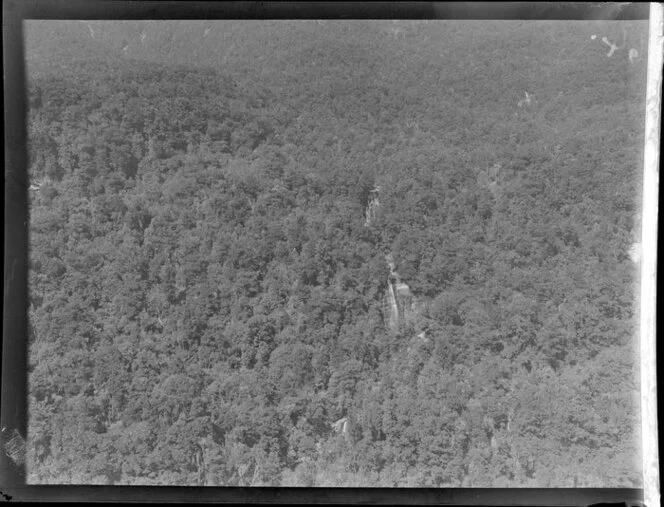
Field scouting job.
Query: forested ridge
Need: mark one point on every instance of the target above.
(214, 210)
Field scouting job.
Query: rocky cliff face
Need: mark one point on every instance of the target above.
(372, 206)
(401, 305)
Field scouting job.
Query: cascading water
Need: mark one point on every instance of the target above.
(372, 206)
(393, 306)
(400, 301)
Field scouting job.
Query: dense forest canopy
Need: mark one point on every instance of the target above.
(334, 253)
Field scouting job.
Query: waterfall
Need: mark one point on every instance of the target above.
(400, 302)
(402, 305)
(394, 307)
(372, 206)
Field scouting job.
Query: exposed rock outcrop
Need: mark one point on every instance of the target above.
(341, 426)
(372, 206)
(402, 305)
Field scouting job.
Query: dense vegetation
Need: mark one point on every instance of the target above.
(207, 299)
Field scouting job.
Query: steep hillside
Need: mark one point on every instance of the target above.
(334, 253)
